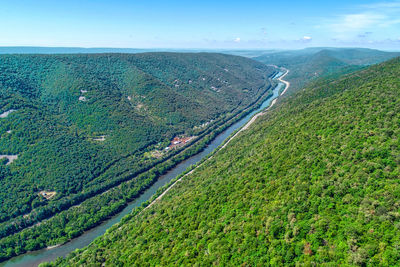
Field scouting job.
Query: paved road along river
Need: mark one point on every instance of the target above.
(34, 258)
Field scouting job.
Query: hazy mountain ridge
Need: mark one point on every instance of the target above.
(311, 63)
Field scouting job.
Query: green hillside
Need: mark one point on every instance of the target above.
(314, 181)
(309, 64)
(82, 124)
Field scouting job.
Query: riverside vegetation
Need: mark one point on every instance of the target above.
(85, 129)
(314, 181)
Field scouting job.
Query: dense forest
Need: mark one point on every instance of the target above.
(314, 181)
(73, 127)
(309, 64)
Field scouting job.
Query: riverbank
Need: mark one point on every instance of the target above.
(246, 126)
(215, 135)
(155, 168)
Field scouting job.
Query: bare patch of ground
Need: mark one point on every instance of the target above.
(100, 138)
(5, 114)
(47, 194)
(156, 154)
(10, 158)
(139, 106)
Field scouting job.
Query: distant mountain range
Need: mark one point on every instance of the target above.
(82, 50)
(308, 64)
(239, 52)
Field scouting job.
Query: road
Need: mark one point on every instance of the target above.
(247, 125)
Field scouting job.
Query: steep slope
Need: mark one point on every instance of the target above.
(316, 180)
(76, 126)
(311, 63)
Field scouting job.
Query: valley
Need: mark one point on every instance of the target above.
(309, 64)
(199, 133)
(132, 153)
(148, 197)
(314, 181)
(128, 171)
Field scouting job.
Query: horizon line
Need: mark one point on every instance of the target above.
(177, 49)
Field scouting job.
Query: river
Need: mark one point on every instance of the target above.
(34, 258)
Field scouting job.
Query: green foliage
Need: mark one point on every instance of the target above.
(312, 63)
(138, 102)
(315, 181)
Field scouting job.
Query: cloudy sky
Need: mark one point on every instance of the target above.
(200, 24)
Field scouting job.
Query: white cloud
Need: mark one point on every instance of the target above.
(389, 22)
(237, 40)
(376, 17)
(383, 5)
(356, 22)
(306, 39)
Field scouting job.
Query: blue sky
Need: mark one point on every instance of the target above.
(200, 24)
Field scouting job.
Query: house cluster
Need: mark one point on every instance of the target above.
(179, 141)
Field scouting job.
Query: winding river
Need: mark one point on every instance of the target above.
(36, 257)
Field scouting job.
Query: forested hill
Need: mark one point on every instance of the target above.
(311, 63)
(314, 181)
(72, 126)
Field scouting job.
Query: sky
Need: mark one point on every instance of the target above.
(202, 24)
